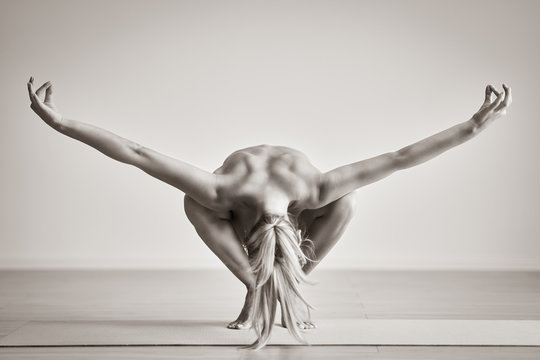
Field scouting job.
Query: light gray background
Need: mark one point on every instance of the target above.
(339, 80)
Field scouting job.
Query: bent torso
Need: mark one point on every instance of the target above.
(259, 174)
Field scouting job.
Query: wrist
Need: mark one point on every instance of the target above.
(59, 125)
(472, 126)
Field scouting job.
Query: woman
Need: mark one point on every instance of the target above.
(267, 213)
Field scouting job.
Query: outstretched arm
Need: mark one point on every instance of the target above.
(342, 180)
(197, 183)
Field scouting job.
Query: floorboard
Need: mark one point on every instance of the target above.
(217, 295)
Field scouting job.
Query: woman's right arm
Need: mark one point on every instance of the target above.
(197, 183)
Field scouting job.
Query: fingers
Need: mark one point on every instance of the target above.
(35, 97)
(42, 88)
(49, 95)
(30, 86)
(507, 96)
(494, 90)
(502, 101)
(497, 100)
(489, 89)
(487, 99)
(35, 101)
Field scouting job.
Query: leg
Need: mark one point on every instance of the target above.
(219, 235)
(326, 225)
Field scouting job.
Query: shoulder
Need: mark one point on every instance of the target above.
(224, 185)
(316, 187)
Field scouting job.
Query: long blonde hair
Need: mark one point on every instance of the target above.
(277, 253)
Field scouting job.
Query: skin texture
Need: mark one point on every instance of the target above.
(225, 204)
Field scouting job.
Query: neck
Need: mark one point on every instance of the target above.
(276, 205)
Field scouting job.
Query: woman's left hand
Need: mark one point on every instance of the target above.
(489, 110)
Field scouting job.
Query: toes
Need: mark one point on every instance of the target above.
(238, 326)
(307, 325)
(233, 325)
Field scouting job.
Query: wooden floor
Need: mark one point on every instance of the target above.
(217, 295)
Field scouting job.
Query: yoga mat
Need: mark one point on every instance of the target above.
(329, 332)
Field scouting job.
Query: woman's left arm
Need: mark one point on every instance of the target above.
(342, 180)
(434, 145)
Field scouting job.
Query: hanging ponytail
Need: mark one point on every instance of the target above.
(275, 249)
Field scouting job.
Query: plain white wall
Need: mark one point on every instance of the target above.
(339, 80)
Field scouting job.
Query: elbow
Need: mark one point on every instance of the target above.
(133, 153)
(400, 159)
(137, 149)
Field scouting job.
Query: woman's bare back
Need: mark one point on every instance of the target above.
(254, 172)
(261, 173)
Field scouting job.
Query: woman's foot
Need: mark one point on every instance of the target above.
(307, 324)
(242, 322)
(302, 325)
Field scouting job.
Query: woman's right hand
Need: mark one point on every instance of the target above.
(45, 109)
